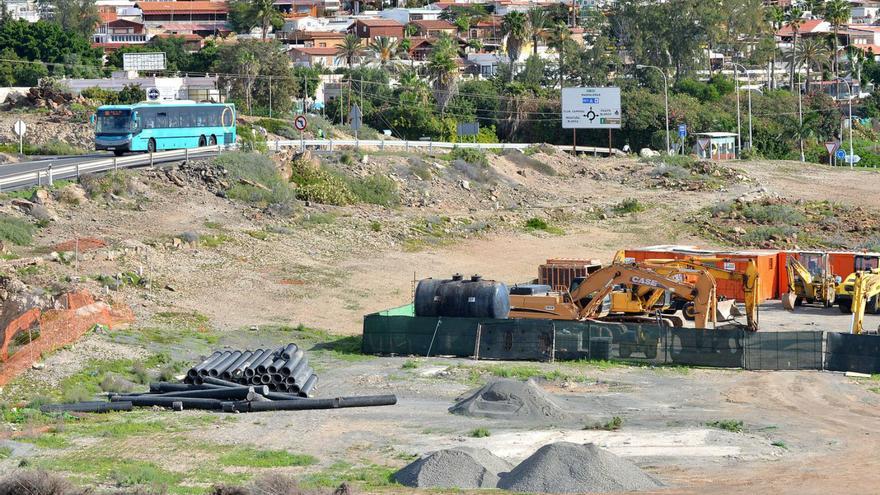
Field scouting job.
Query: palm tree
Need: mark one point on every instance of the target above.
(349, 50)
(814, 54)
(559, 35)
(537, 21)
(794, 18)
(837, 13)
(443, 70)
(515, 27)
(267, 15)
(776, 18)
(384, 49)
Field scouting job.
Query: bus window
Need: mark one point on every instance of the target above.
(162, 120)
(186, 119)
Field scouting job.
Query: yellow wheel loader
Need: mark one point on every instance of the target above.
(844, 296)
(866, 287)
(809, 280)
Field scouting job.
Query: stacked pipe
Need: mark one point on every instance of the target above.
(285, 369)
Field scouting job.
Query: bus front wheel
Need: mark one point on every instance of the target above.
(202, 141)
(118, 152)
(151, 146)
(213, 140)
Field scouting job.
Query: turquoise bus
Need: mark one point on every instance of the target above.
(163, 126)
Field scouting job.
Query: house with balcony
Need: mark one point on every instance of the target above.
(114, 33)
(314, 56)
(368, 29)
(197, 11)
(298, 8)
(489, 32)
(434, 28)
(405, 16)
(319, 39)
(27, 10)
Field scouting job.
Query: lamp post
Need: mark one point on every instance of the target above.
(665, 98)
(749, 79)
(849, 100)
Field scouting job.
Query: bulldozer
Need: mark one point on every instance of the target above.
(632, 289)
(866, 287)
(809, 280)
(749, 278)
(862, 263)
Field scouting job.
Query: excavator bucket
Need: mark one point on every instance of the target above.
(788, 300)
(724, 310)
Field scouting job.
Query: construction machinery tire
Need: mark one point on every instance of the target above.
(845, 307)
(799, 301)
(651, 351)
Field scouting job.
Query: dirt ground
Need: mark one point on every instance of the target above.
(803, 432)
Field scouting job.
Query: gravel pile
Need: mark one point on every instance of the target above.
(510, 399)
(462, 467)
(566, 467)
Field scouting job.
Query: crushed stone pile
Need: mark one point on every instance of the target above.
(510, 399)
(566, 467)
(462, 467)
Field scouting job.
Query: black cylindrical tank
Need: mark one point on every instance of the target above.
(460, 297)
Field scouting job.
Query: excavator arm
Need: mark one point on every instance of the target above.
(749, 278)
(598, 285)
(866, 286)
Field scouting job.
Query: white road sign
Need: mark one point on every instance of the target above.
(300, 123)
(143, 61)
(19, 127)
(591, 108)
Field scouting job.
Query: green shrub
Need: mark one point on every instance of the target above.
(316, 183)
(259, 169)
(536, 223)
(762, 233)
(118, 182)
(16, 230)
(376, 189)
(470, 155)
(409, 364)
(134, 473)
(279, 127)
(731, 425)
(250, 139)
(250, 457)
(629, 205)
(480, 433)
(773, 214)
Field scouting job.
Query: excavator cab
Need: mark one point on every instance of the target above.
(809, 280)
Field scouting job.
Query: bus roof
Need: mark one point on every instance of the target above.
(146, 104)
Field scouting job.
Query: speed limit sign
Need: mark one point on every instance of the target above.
(300, 123)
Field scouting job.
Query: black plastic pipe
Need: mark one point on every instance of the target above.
(300, 379)
(264, 364)
(251, 369)
(222, 393)
(186, 402)
(227, 373)
(306, 389)
(273, 368)
(292, 362)
(222, 365)
(237, 373)
(195, 369)
(204, 370)
(304, 404)
(289, 351)
(92, 406)
(162, 387)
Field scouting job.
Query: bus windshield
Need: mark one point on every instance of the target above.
(114, 122)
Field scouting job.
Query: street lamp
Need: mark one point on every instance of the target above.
(749, 79)
(849, 100)
(665, 98)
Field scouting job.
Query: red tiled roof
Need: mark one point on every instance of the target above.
(809, 26)
(434, 24)
(324, 34)
(197, 6)
(185, 36)
(317, 50)
(108, 16)
(123, 22)
(868, 48)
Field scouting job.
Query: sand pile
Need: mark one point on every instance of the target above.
(462, 467)
(510, 399)
(566, 467)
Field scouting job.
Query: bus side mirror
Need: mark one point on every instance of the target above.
(92, 119)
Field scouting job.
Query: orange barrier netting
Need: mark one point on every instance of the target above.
(56, 328)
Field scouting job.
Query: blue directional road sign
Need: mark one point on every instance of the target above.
(682, 130)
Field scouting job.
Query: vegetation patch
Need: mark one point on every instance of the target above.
(255, 179)
(251, 457)
(612, 424)
(367, 476)
(535, 224)
(684, 173)
(115, 183)
(480, 433)
(730, 425)
(16, 230)
(629, 205)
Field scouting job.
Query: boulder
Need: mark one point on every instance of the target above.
(648, 153)
(72, 194)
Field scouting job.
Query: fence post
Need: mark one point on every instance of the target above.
(151, 160)
(186, 156)
(38, 178)
(277, 146)
(114, 163)
(331, 145)
(430, 146)
(77, 172)
(49, 173)
(406, 145)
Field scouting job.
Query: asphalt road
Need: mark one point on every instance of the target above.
(17, 168)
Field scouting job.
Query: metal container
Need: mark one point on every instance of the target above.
(459, 297)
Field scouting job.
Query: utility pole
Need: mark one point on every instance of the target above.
(665, 98)
(270, 96)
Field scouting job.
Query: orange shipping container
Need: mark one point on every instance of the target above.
(843, 263)
(558, 273)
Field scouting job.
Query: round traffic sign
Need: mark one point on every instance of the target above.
(153, 94)
(841, 154)
(300, 123)
(19, 127)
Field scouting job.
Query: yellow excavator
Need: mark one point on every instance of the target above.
(749, 278)
(811, 283)
(585, 298)
(866, 287)
(862, 263)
